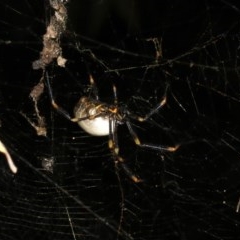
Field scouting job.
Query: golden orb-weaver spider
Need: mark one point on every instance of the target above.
(101, 119)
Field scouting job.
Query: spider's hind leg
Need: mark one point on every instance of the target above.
(127, 170)
(113, 146)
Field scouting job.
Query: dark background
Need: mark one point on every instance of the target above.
(189, 194)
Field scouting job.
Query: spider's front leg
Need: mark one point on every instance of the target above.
(80, 114)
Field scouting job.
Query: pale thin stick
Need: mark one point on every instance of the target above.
(11, 164)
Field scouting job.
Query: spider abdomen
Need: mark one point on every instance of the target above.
(97, 123)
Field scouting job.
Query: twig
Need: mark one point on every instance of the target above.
(51, 39)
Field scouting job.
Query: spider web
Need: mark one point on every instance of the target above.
(67, 185)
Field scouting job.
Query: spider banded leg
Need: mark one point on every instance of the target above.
(54, 104)
(113, 143)
(153, 111)
(151, 146)
(113, 146)
(94, 88)
(62, 111)
(147, 116)
(113, 139)
(115, 95)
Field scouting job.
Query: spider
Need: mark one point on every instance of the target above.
(98, 118)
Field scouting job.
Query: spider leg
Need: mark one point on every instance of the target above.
(113, 146)
(115, 95)
(94, 88)
(62, 111)
(153, 111)
(128, 171)
(142, 119)
(150, 146)
(113, 140)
